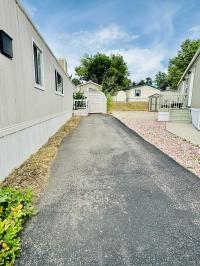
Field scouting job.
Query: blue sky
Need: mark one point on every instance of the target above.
(146, 32)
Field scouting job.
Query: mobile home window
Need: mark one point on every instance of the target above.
(137, 92)
(59, 82)
(37, 53)
(6, 44)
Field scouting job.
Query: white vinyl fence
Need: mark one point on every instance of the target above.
(173, 101)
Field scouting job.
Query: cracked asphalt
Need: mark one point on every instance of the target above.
(113, 199)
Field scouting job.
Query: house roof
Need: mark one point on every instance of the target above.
(155, 94)
(89, 82)
(194, 59)
(139, 86)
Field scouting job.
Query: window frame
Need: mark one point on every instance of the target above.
(56, 84)
(38, 86)
(136, 93)
(2, 32)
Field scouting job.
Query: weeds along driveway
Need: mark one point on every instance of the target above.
(114, 199)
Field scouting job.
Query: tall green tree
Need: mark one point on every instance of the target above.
(93, 68)
(149, 81)
(179, 63)
(161, 80)
(109, 71)
(141, 82)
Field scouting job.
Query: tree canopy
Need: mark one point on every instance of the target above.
(161, 80)
(109, 71)
(177, 65)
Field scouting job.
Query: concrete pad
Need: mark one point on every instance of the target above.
(185, 131)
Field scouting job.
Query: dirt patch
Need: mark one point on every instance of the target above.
(34, 172)
(130, 106)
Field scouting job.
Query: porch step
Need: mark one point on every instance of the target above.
(180, 116)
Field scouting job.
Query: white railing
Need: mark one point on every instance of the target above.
(169, 101)
(80, 104)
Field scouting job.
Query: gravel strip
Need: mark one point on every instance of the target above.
(182, 151)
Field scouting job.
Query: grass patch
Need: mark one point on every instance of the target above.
(130, 106)
(16, 197)
(109, 103)
(35, 171)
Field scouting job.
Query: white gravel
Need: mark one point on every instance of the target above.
(180, 150)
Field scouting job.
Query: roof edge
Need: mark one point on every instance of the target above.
(37, 31)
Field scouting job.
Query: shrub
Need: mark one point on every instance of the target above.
(15, 208)
(109, 103)
(79, 95)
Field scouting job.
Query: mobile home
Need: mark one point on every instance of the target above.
(35, 91)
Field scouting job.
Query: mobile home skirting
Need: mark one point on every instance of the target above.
(17, 145)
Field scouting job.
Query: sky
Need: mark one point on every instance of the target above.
(145, 32)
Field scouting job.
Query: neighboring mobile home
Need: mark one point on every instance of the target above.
(35, 91)
(190, 84)
(141, 93)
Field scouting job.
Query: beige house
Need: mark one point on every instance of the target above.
(35, 91)
(119, 96)
(141, 93)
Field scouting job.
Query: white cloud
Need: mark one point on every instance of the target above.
(142, 63)
(195, 31)
(90, 41)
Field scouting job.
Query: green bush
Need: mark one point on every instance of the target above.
(15, 208)
(79, 95)
(109, 103)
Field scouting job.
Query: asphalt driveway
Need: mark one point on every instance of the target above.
(113, 200)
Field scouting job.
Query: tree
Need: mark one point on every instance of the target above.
(161, 80)
(134, 84)
(116, 77)
(76, 81)
(109, 71)
(179, 63)
(93, 68)
(149, 81)
(141, 83)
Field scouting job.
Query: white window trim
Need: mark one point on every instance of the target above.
(57, 92)
(37, 86)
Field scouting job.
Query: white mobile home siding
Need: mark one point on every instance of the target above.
(145, 90)
(28, 116)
